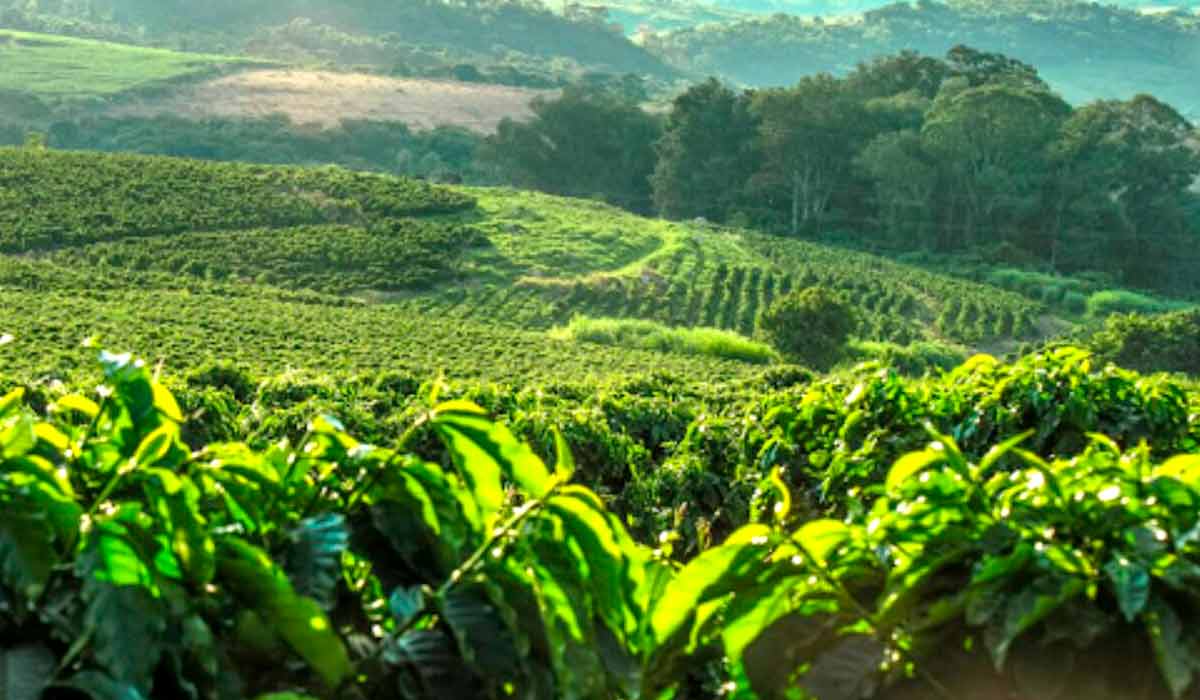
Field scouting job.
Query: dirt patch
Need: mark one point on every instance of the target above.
(322, 99)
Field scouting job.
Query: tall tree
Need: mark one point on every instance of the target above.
(991, 141)
(809, 135)
(585, 144)
(705, 155)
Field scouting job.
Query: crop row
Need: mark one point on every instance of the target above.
(50, 199)
(396, 254)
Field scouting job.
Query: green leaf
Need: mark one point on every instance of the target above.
(406, 604)
(1131, 583)
(25, 670)
(998, 452)
(483, 450)
(11, 401)
(176, 501)
(79, 403)
(98, 686)
(1029, 607)
(848, 671)
(155, 445)
(483, 639)
(313, 558)
(713, 574)
(299, 621)
(128, 631)
(564, 461)
(1184, 468)
(1171, 650)
(613, 573)
(27, 555)
(822, 537)
(18, 438)
(910, 465)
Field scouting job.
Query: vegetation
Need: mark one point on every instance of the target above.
(1166, 342)
(1146, 52)
(62, 67)
(811, 325)
(136, 533)
(648, 335)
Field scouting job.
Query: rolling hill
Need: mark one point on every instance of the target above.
(290, 257)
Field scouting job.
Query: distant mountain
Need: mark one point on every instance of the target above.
(1085, 51)
(368, 31)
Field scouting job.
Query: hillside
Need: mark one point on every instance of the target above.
(403, 255)
(65, 68)
(419, 36)
(1086, 51)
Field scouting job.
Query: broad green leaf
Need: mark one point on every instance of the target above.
(770, 605)
(998, 452)
(25, 671)
(1171, 651)
(18, 438)
(910, 465)
(128, 628)
(176, 502)
(1029, 607)
(822, 537)
(99, 686)
(299, 621)
(313, 558)
(11, 401)
(613, 577)
(165, 403)
(713, 574)
(1131, 584)
(484, 449)
(485, 641)
(27, 554)
(1184, 468)
(52, 436)
(406, 604)
(155, 445)
(564, 461)
(112, 555)
(77, 402)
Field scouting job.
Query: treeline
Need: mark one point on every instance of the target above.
(906, 152)
(1086, 50)
(410, 36)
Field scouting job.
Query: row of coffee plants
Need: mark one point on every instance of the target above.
(984, 541)
(395, 254)
(50, 199)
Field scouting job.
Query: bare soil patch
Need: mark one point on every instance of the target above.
(323, 98)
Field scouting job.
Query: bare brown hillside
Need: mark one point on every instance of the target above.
(323, 98)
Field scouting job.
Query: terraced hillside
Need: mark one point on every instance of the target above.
(414, 275)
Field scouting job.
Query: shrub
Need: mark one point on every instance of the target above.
(1120, 301)
(649, 335)
(811, 325)
(1165, 343)
(915, 359)
(1075, 302)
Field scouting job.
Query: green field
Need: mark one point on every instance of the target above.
(384, 438)
(62, 67)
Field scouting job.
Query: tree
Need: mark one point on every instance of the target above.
(991, 141)
(705, 153)
(1129, 164)
(808, 137)
(585, 144)
(810, 325)
(905, 178)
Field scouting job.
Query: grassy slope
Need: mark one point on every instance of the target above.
(54, 66)
(479, 305)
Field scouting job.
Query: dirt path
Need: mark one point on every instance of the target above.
(322, 98)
